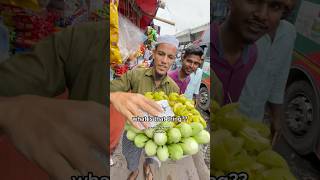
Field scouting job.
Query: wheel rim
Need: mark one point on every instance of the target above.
(299, 115)
(203, 98)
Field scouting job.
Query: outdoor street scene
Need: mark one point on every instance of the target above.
(161, 50)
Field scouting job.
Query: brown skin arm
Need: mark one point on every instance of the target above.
(64, 137)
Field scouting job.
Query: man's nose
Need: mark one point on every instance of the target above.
(165, 59)
(262, 12)
(194, 66)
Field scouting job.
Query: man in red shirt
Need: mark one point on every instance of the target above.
(190, 62)
(233, 51)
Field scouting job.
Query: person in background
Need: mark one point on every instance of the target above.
(132, 60)
(265, 85)
(145, 60)
(191, 60)
(147, 53)
(234, 51)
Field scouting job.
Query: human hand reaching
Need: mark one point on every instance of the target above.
(64, 137)
(132, 104)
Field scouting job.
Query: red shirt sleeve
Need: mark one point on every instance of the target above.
(117, 123)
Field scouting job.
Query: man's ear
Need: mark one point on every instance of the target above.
(153, 53)
(182, 58)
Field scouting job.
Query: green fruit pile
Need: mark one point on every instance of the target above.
(172, 139)
(180, 105)
(243, 145)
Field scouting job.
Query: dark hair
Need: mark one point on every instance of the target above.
(156, 46)
(193, 50)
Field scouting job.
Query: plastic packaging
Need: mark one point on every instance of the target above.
(130, 37)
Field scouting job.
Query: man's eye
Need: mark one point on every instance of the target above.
(276, 6)
(161, 53)
(171, 57)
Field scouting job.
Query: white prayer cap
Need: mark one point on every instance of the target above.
(168, 39)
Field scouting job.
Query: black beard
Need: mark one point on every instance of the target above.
(158, 77)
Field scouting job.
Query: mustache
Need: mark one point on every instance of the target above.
(258, 23)
(162, 66)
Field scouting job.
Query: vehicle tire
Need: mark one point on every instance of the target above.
(204, 99)
(301, 124)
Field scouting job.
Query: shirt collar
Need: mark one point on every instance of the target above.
(281, 31)
(176, 75)
(151, 73)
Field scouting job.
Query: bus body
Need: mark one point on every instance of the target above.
(302, 98)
